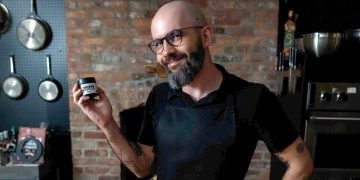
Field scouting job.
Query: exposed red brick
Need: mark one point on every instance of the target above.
(88, 5)
(96, 170)
(76, 134)
(104, 14)
(117, 5)
(107, 177)
(78, 170)
(77, 14)
(76, 153)
(227, 21)
(141, 22)
(95, 153)
(91, 41)
(94, 135)
(108, 161)
(84, 161)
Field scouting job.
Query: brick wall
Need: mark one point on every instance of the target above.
(107, 39)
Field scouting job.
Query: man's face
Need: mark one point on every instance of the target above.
(181, 54)
(185, 67)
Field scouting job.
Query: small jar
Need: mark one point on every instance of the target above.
(88, 86)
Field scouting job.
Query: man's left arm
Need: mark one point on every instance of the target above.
(298, 160)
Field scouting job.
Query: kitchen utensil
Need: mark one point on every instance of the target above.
(321, 43)
(299, 44)
(295, 69)
(15, 86)
(291, 73)
(30, 149)
(4, 18)
(352, 34)
(49, 88)
(33, 32)
(352, 40)
(279, 73)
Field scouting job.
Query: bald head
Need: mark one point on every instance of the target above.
(175, 15)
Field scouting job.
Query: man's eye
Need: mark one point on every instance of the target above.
(157, 43)
(173, 36)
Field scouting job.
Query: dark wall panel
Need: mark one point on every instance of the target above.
(31, 110)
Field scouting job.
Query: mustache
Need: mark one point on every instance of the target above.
(173, 57)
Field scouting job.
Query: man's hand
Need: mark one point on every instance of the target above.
(98, 109)
(298, 161)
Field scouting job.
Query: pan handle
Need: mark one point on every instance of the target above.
(48, 65)
(33, 6)
(12, 67)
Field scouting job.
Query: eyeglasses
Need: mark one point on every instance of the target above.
(173, 38)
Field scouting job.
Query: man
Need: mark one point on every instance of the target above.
(204, 123)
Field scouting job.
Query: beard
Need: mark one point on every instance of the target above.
(185, 74)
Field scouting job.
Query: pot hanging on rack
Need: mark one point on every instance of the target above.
(33, 32)
(4, 18)
(49, 88)
(15, 86)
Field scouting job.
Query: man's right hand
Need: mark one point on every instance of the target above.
(98, 109)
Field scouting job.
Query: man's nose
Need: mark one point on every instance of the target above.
(168, 48)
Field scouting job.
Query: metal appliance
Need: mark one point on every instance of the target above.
(332, 129)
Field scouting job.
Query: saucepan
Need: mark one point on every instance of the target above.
(321, 43)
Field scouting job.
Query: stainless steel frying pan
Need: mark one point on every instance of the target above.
(49, 88)
(4, 18)
(15, 86)
(33, 32)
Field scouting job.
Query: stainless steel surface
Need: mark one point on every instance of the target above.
(352, 34)
(14, 86)
(5, 18)
(299, 45)
(279, 68)
(48, 88)
(33, 32)
(291, 71)
(321, 43)
(333, 97)
(335, 118)
(294, 81)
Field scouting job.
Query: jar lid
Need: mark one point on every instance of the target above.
(86, 80)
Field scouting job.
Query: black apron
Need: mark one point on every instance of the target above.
(192, 143)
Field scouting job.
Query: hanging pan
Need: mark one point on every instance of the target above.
(4, 18)
(15, 86)
(33, 32)
(49, 88)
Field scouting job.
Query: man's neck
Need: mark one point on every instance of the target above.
(207, 80)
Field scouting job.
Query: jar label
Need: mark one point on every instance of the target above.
(88, 88)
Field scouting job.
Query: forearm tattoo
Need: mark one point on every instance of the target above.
(300, 148)
(118, 153)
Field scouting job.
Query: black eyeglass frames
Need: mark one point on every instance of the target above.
(173, 38)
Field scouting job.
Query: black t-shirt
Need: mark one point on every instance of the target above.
(258, 114)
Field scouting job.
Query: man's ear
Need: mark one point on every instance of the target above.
(206, 34)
